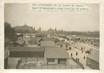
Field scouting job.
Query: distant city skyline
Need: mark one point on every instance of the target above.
(20, 14)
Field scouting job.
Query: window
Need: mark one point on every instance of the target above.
(71, 54)
(81, 48)
(84, 57)
(69, 48)
(76, 53)
(61, 61)
(50, 60)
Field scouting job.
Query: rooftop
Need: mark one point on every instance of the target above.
(29, 49)
(48, 43)
(55, 52)
(94, 55)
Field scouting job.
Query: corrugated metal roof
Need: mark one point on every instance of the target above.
(26, 49)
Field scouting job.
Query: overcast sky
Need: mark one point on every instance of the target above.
(20, 14)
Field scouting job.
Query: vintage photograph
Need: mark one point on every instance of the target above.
(51, 36)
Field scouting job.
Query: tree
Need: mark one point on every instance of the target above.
(10, 34)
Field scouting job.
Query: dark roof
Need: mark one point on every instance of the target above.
(55, 52)
(29, 49)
